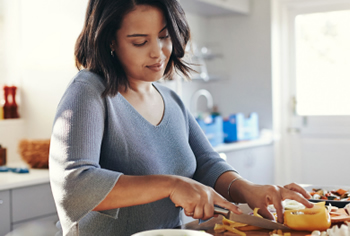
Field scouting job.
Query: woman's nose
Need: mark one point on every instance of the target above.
(156, 49)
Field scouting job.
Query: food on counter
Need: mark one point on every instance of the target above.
(343, 230)
(339, 215)
(337, 195)
(299, 218)
(309, 219)
(278, 232)
(292, 205)
(287, 204)
(347, 208)
(229, 225)
(222, 228)
(236, 227)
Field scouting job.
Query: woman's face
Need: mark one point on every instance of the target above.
(143, 44)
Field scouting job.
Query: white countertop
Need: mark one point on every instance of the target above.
(10, 180)
(266, 138)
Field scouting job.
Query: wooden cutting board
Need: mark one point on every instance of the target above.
(208, 227)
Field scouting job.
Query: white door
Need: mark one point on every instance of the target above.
(315, 92)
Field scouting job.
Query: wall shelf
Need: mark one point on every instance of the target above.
(11, 122)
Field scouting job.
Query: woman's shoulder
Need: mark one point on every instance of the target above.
(84, 87)
(90, 80)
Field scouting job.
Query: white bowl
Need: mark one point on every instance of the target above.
(172, 232)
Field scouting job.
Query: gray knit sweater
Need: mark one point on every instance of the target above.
(95, 140)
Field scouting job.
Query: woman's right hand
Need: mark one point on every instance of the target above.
(198, 200)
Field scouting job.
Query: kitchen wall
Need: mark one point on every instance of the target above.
(39, 36)
(245, 67)
(39, 59)
(45, 55)
(244, 41)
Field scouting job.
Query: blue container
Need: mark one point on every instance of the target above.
(213, 130)
(239, 128)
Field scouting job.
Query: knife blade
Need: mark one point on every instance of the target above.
(249, 219)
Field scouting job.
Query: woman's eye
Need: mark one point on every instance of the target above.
(165, 37)
(140, 44)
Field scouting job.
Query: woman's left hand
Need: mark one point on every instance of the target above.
(260, 196)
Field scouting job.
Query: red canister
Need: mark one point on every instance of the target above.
(10, 107)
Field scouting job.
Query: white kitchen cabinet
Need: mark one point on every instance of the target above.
(216, 7)
(42, 226)
(26, 201)
(5, 223)
(254, 164)
(31, 202)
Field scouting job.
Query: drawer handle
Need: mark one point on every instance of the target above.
(1, 201)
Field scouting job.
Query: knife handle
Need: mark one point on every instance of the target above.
(222, 211)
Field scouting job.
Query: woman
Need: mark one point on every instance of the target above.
(126, 155)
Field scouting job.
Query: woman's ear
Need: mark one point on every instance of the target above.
(112, 45)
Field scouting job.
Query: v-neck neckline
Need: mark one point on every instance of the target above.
(143, 119)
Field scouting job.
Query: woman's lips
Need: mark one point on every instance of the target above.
(156, 67)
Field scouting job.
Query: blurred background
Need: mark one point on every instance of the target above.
(272, 91)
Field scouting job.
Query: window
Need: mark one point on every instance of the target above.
(322, 43)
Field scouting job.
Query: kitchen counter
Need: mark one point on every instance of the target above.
(266, 138)
(208, 226)
(10, 180)
(25, 198)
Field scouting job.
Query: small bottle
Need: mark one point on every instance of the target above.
(1, 111)
(2, 156)
(215, 111)
(1, 107)
(14, 106)
(7, 105)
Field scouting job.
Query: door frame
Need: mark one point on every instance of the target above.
(283, 72)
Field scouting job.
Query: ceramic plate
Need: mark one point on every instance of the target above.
(172, 232)
(336, 203)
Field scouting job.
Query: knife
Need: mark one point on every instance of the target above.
(249, 219)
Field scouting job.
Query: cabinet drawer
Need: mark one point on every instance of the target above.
(41, 226)
(5, 224)
(33, 201)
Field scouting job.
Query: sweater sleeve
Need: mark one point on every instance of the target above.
(78, 182)
(209, 163)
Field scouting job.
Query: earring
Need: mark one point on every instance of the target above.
(112, 53)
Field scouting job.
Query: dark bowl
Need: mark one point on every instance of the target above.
(337, 203)
(340, 204)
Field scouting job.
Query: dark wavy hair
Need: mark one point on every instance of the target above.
(104, 18)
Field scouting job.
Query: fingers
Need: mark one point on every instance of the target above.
(203, 213)
(198, 213)
(205, 209)
(279, 209)
(297, 188)
(189, 212)
(264, 212)
(208, 211)
(273, 197)
(229, 206)
(299, 198)
(298, 193)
